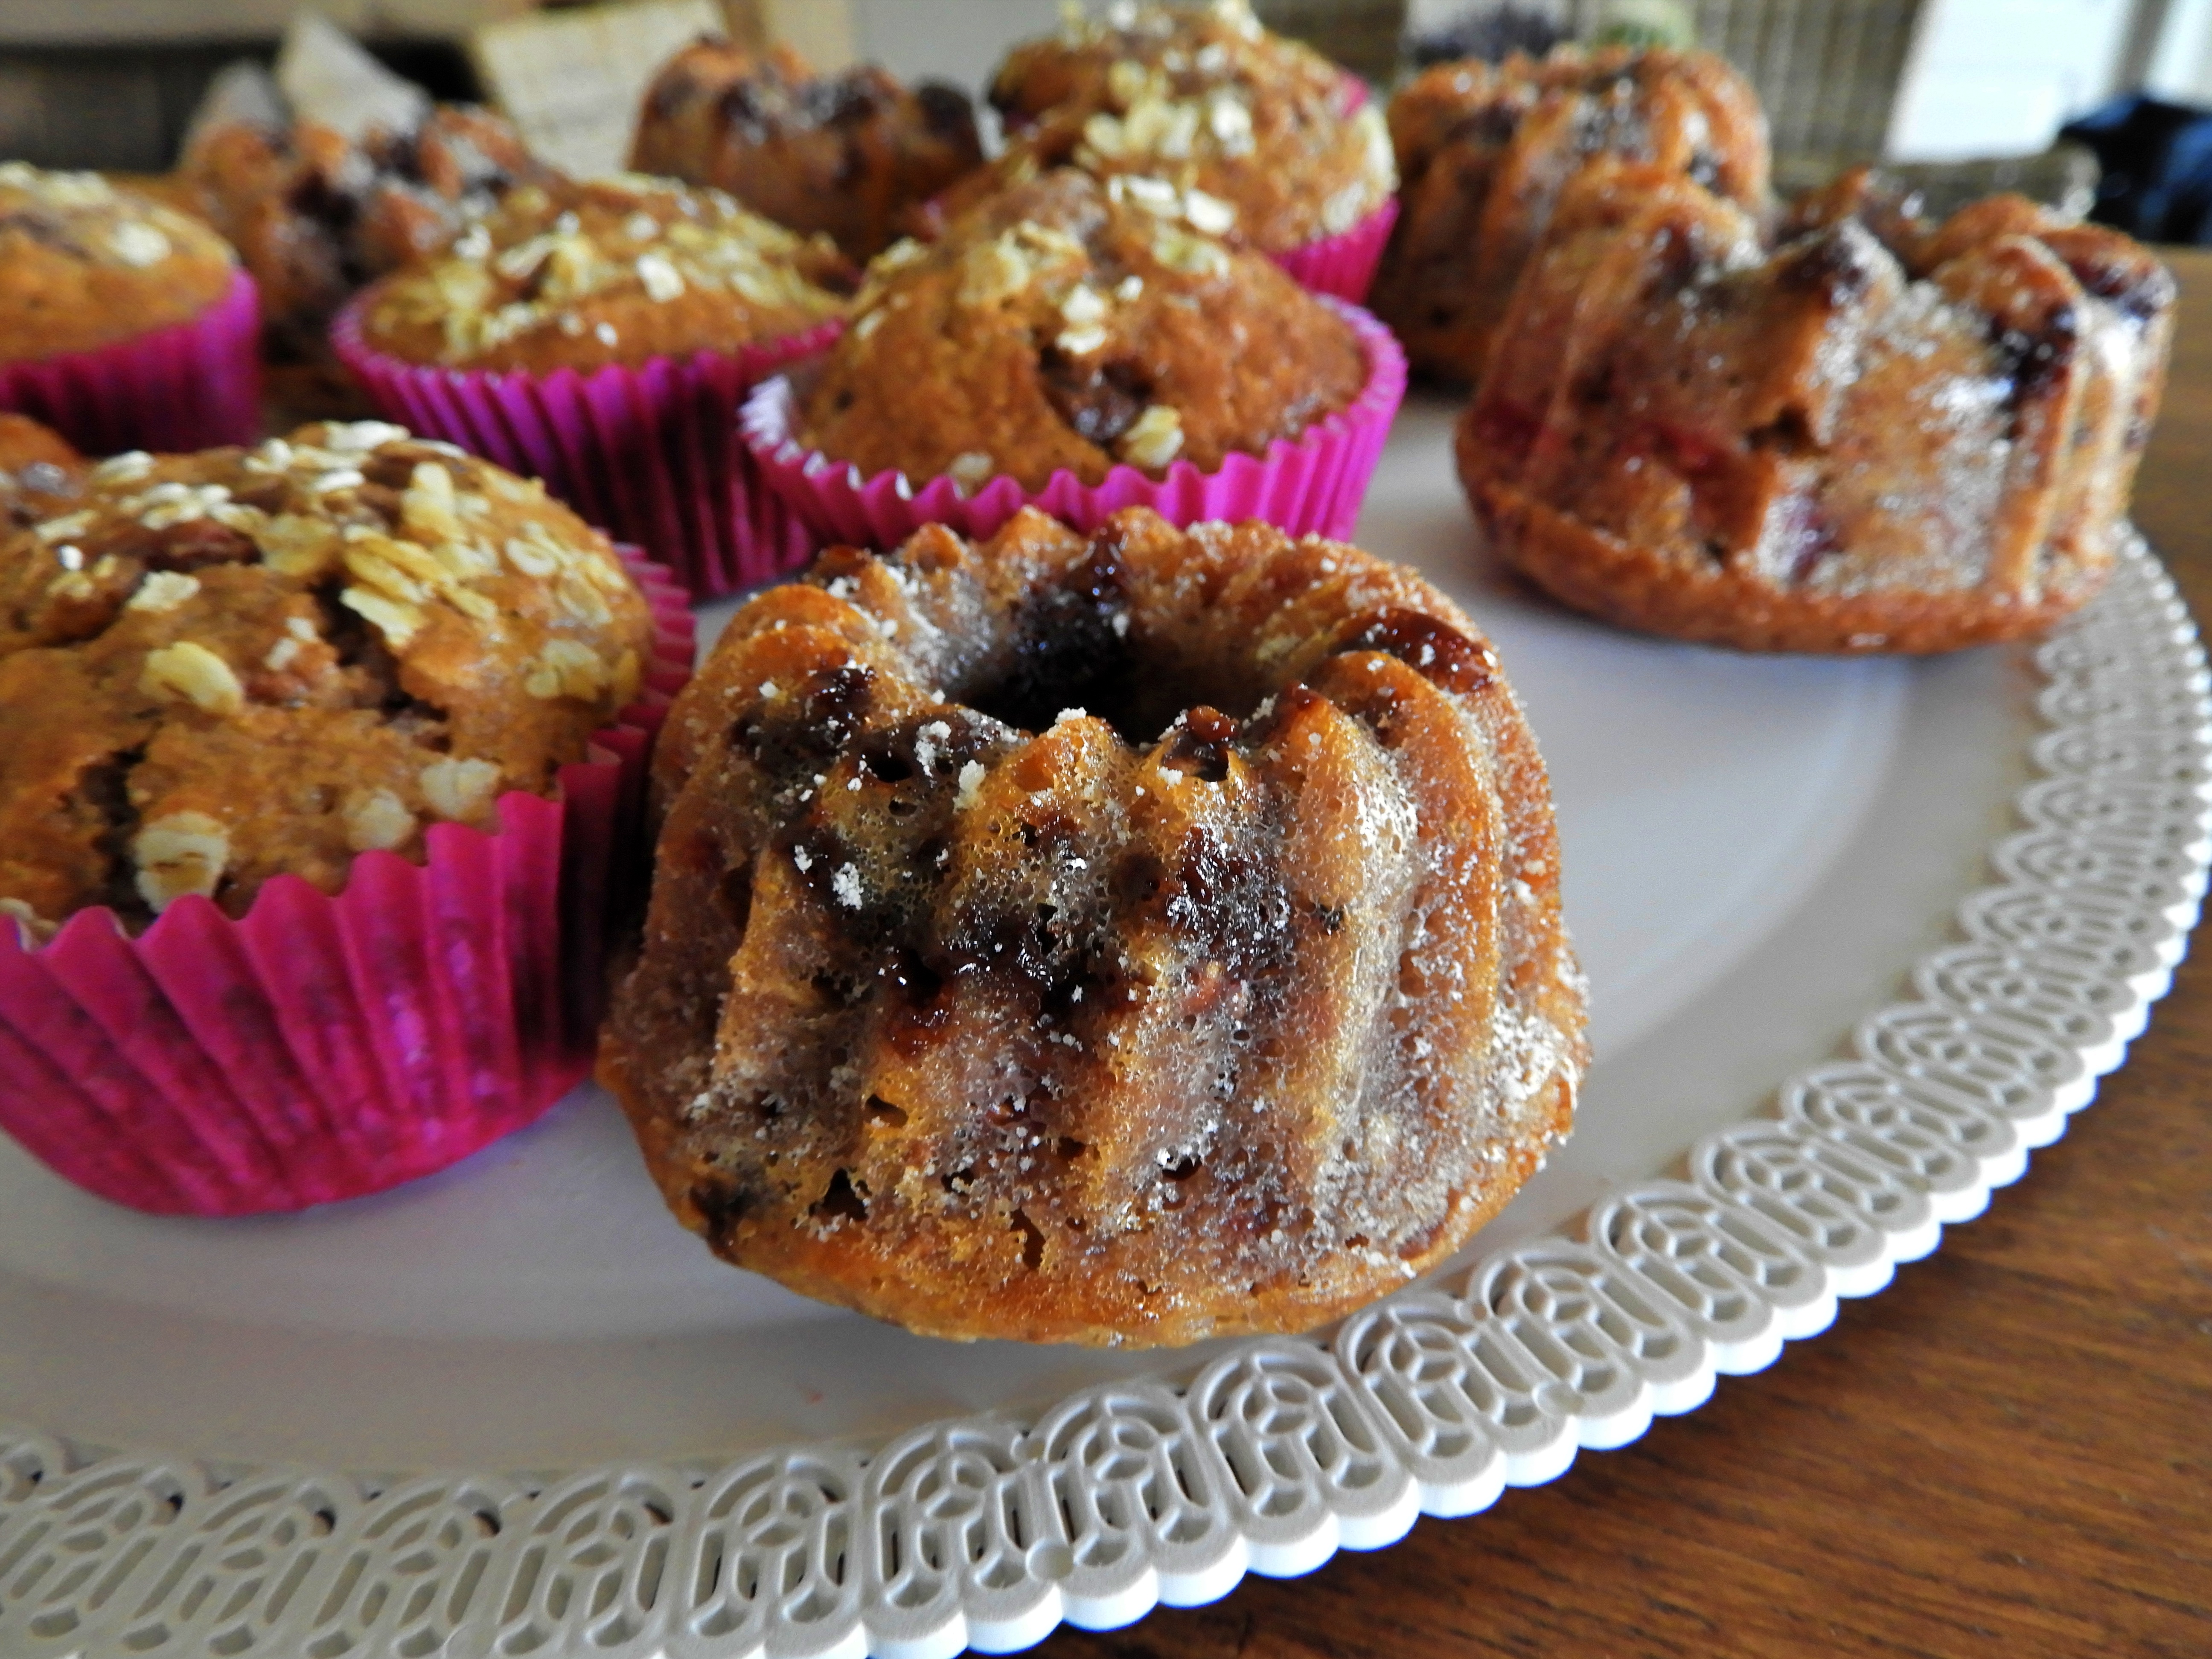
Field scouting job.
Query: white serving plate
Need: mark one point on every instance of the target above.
(1931, 900)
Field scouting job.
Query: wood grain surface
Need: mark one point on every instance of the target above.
(2008, 1452)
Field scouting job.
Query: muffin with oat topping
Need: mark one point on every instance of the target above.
(601, 334)
(1068, 338)
(299, 782)
(606, 271)
(1205, 99)
(219, 667)
(122, 321)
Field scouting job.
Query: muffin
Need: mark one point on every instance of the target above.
(1484, 151)
(1124, 938)
(849, 156)
(299, 747)
(1205, 101)
(1067, 332)
(600, 335)
(294, 654)
(317, 216)
(123, 324)
(1875, 434)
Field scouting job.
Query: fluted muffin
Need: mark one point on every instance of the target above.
(1876, 434)
(317, 216)
(1067, 324)
(1484, 150)
(849, 154)
(1130, 938)
(1202, 99)
(216, 668)
(608, 270)
(84, 265)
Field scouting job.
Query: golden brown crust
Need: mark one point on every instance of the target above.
(1484, 150)
(1809, 447)
(848, 156)
(1200, 98)
(612, 271)
(315, 216)
(1057, 328)
(1224, 1002)
(83, 265)
(216, 668)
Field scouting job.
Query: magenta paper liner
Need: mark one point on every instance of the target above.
(194, 385)
(650, 454)
(1343, 266)
(1311, 484)
(327, 1047)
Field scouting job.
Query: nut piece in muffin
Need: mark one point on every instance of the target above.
(1485, 151)
(316, 217)
(1067, 324)
(41, 472)
(1205, 100)
(83, 265)
(848, 155)
(220, 667)
(608, 270)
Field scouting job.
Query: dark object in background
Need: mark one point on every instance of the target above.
(848, 153)
(2157, 160)
(1493, 34)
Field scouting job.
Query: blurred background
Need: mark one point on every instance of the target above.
(2089, 104)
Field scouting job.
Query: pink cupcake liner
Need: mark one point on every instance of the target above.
(1310, 485)
(327, 1047)
(194, 385)
(650, 454)
(1343, 265)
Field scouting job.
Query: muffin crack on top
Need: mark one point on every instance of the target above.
(226, 666)
(1158, 929)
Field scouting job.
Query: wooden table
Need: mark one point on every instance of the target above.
(2009, 1451)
